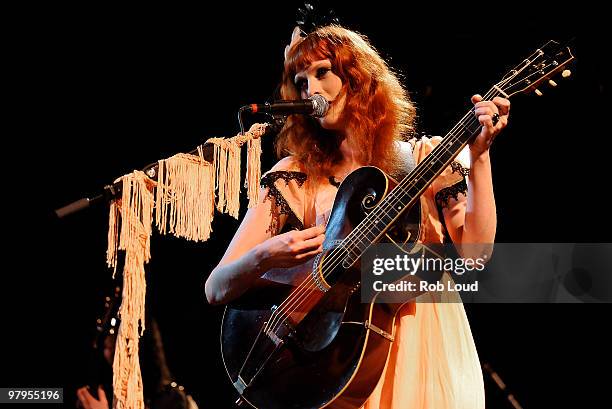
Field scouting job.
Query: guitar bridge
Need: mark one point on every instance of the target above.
(240, 385)
(272, 335)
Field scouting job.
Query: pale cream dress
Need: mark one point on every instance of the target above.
(433, 361)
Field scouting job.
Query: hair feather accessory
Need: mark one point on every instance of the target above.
(310, 17)
(308, 20)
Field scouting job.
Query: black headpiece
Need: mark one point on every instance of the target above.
(311, 17)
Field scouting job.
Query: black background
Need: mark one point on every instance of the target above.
(96, 91)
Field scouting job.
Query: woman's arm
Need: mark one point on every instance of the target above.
(473, 220)
(242, 262)
(254, 250)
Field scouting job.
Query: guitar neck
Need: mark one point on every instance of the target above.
(408, 191)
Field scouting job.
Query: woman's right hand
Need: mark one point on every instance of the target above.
(292, 248)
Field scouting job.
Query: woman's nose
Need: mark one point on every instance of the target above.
(314, 87)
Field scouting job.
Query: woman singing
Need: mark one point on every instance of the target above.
(433, 362)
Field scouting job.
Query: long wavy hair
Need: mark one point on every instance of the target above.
(378, 111)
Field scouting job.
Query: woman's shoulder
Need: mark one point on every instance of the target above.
(285, 187)
(288, 168)
(287, 164)
(405, 146)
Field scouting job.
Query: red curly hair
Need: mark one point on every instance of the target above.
(378, 110)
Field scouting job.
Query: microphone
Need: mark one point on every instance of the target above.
(316, 106)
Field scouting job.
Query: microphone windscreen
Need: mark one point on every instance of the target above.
(319, 105)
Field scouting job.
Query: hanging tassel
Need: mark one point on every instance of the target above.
(207, 189)
(253, 174)
(232, 187)
(185, 197)
(113, 237)
(135, 236)
(162, 197)
(220, 166)
(184, 204)
(227, 169)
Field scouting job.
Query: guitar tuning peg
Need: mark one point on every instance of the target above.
(566, 73)
(538, 92)
(552, 83)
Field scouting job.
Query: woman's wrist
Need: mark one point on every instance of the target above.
(260, 257)
(479, 157)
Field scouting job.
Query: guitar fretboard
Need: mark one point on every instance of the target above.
(407, 192)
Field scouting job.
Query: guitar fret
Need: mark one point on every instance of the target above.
(262, 355)
(350, 251)
(357, 238)
(423, 175)
(396, 202)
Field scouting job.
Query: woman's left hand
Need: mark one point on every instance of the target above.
(493, 116)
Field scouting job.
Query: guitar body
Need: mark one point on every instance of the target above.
(318, 345)
(334, 354)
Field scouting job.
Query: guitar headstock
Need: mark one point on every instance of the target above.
(542, 65)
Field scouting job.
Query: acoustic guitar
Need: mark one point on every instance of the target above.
(317, 344)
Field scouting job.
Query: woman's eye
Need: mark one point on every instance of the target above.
(322, 71)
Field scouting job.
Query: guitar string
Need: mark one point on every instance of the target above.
(307, 283)
(516, 72)
(335, 258)
(297, 296)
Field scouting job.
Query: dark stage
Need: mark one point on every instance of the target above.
(97, 91)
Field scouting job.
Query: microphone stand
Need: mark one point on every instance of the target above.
(501, 385)
(112, 191)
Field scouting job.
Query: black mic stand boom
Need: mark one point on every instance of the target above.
(114, 190)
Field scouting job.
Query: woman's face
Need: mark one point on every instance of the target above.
(318, 78)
